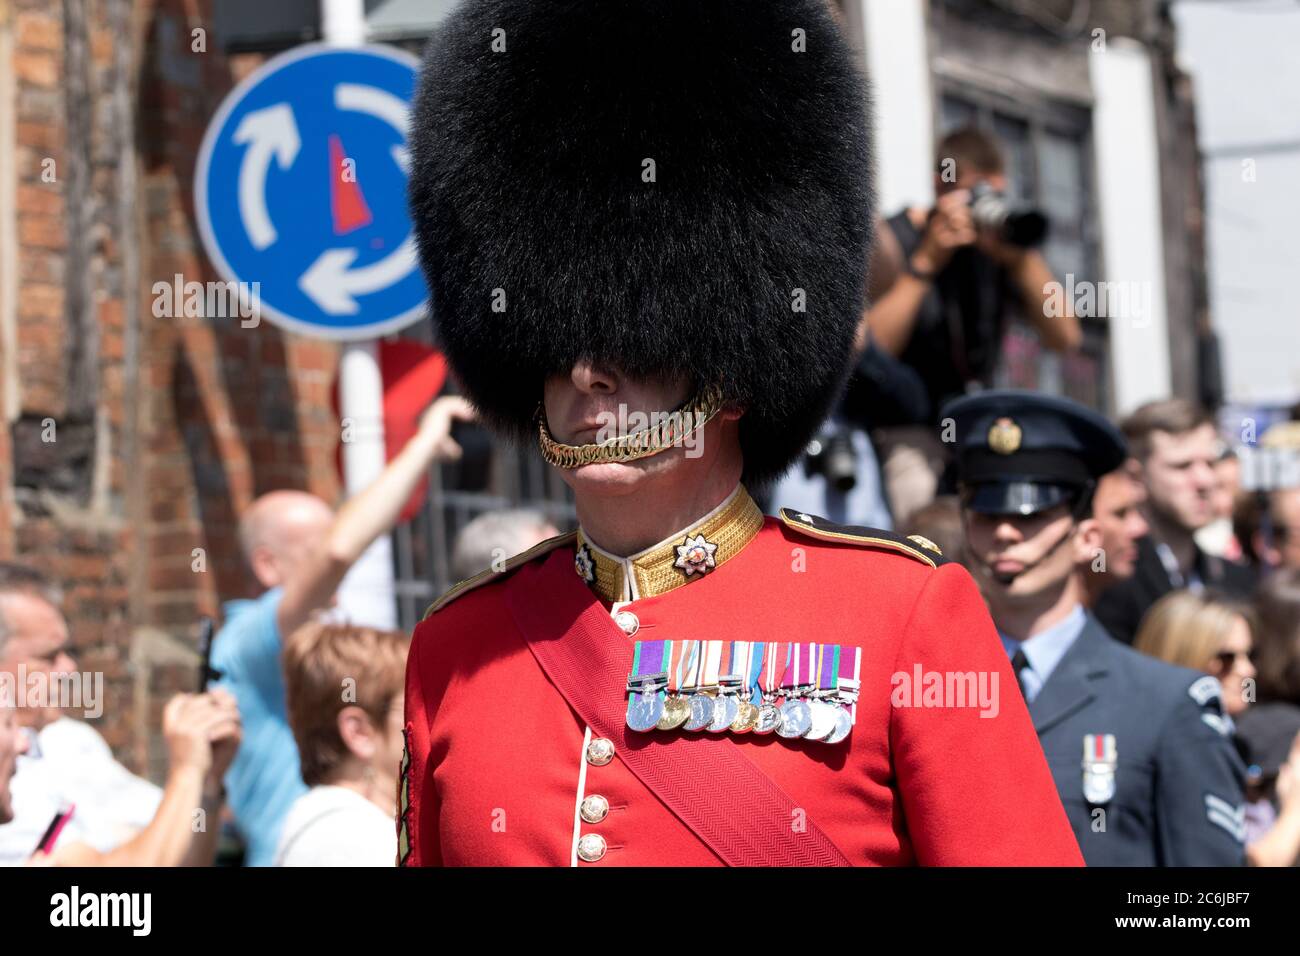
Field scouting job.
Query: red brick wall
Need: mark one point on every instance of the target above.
(198, 420)
(69, 526)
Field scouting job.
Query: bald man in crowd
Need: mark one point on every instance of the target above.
(299, 552)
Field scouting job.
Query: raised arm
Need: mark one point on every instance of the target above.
(371, 513)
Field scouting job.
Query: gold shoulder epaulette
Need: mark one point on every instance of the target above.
(492, 574)
(914, 546)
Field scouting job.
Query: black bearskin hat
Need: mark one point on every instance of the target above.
(660, 186)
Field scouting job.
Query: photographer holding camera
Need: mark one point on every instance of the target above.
(943, 280)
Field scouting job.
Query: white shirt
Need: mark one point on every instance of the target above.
(68, 762)
(335, 826)
(1045, 649)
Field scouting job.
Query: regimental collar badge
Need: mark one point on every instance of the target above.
(1005, 436)
(687, 555)
(584, 563)
(696, 555)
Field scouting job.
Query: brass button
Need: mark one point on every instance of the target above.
(591, 847)
(628, 622)
(594, 808)
(600, 752)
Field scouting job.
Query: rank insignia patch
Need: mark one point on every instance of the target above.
(1229, 817)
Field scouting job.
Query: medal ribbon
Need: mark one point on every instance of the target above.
(711, 661)
(828, 672)
(727, 664)
(849, 663)
(756, 660)
(774, 668)
(681, 677)
(790, 678)
(648, 658)
(692, 678)
(675, 658)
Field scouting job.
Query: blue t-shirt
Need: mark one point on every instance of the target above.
(265, 778)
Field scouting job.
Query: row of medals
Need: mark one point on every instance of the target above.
(826, 719)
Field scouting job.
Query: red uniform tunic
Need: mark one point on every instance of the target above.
(499, 769)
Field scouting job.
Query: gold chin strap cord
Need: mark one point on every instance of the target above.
(661, 436)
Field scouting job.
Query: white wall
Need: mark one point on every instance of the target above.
(1246, 75)
(899, 65)
(1128, 177)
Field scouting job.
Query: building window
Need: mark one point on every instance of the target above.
(1048, 150)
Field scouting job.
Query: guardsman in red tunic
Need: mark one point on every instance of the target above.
(644, 226)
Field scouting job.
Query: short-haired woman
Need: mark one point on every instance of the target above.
(344, 687)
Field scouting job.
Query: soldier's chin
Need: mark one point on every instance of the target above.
(1012, 586)
(607, 477)
(618, 477)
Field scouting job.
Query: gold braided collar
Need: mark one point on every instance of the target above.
(692, 553)
(668, 431)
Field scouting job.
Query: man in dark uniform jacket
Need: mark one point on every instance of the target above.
(1175, 445)
(1139, 748)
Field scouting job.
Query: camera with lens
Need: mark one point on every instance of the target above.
(832, 456)
(1016, 224)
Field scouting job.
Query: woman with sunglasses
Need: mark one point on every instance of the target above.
(1217, 635)
(1207, 633)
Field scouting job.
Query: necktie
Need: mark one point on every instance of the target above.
(1019, 662)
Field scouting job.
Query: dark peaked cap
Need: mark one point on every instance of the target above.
(527, 176)
(1022, 452)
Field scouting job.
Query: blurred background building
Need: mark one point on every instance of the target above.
(131, 443)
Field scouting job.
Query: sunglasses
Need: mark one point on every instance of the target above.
(1227, 658)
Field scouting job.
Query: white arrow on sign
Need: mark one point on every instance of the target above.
(333, 286)
(271, 133)
(373, 101)
(380, 104)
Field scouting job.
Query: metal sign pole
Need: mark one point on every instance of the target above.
(367, 595)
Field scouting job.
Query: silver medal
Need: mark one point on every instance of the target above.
(843, 724)
(769, 718)
(796, 719)
(644, 708)
(726, 707)
(823, 720)
(1099, 788)
(1100, 761)
(701, 712)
